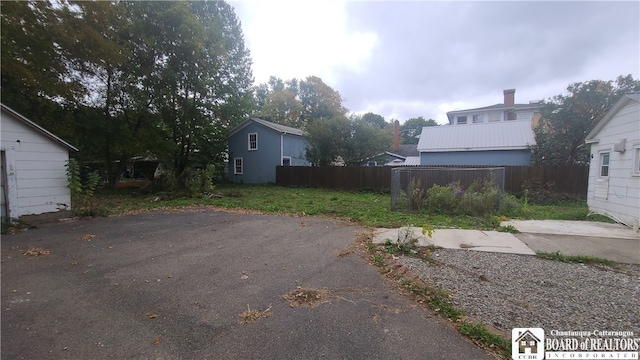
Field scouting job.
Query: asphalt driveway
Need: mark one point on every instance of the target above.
(173, 286)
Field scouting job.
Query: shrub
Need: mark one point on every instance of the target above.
(442, 199)
(482, 198)
(82, 191)
(538, 193)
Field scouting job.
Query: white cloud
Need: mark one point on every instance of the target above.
(298, 39)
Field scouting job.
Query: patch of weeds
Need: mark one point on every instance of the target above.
(371, 247)
(254, 315)
(508, 229)
(307, 297)
(479, 334)
(33, 251)
(437, 299)
(379, 260)
(584, 259)
(400, 248)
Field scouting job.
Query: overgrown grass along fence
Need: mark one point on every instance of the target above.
(572, 180)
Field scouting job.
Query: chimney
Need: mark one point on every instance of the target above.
(509, 97)
(509, 102)
(396, 136)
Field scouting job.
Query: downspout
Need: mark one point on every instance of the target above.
(281, 148)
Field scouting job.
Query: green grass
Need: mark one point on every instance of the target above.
(585, 259)
(479, 333)
(566, 210)
(363, 207)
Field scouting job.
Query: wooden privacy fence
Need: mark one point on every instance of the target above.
(572, 180)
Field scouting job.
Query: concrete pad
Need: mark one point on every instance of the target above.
(578, 228)
(491, 241)
(619, 250)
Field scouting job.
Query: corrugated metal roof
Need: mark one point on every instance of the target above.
(504, 135)
(412, 161)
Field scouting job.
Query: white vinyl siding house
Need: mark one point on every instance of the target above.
(614, 171)
(34, 179)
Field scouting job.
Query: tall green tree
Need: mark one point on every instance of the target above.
(340, 138)
(161, 78)
(36, 74)
(567, 119)
(410, 130)
(374, 120)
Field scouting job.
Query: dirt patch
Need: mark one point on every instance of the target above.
(307, 297)
(254, 315)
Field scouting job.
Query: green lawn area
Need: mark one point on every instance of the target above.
(365, 208)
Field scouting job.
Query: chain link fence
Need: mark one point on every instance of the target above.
(411, 183)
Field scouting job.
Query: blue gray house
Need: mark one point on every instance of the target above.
(505, 143)
(257, 146)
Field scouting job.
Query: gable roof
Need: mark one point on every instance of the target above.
(504, 135)
(527, 334)
(273, 126)
(624, 100)
(37, 127)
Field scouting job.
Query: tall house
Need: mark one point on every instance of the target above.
(507, 111)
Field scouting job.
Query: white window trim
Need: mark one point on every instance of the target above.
(235, 167)
(636, 161)
(466, 120)
(249, 141)
(600, 158)
(283, 158)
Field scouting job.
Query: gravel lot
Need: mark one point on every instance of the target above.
(509, 291)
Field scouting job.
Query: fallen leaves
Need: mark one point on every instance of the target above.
(307, 297)
(156, 341)
(254, 315)
(88, 237)
(33, 251)
(152, 316)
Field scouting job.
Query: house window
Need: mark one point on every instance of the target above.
(604, 164)
(237, 163)
(636, 161)
(524, 116)
(253, 141)
(286, 161)
(462, 120)
(478, 118)
(496, 116)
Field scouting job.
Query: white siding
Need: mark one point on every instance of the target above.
(623, 198)
(36, 164)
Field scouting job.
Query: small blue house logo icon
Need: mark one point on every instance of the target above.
(527, 344)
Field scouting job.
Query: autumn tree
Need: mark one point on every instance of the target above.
(319, 100)
(567, 119)
(411, 129)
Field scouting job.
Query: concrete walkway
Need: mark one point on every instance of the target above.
(609, 241)
(476, 240)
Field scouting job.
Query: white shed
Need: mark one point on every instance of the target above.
(34, 179)
(614, 171)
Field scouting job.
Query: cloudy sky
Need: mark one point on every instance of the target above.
(424, 58)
